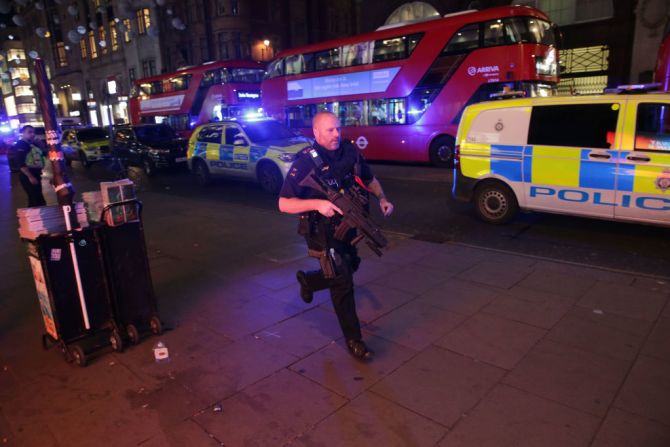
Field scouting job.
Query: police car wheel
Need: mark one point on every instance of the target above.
(442, 151)
(202, 174)
(269, 177)
(495, 203)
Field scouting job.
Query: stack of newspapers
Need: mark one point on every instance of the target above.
(113, 194)
(34, 222)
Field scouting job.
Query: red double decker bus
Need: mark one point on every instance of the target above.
(196, 95)
(400, 91)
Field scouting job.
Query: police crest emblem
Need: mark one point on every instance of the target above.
(663, 181)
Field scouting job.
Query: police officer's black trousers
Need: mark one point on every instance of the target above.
(341, 292)
(35, 197)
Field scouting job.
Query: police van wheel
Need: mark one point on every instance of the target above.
(442, 151)
(270, 178)
(202, 175)
(495, 203)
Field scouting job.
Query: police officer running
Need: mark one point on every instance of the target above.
(31, 162)
(339, 165)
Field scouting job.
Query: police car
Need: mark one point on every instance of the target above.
(603, 156)
(262, 150)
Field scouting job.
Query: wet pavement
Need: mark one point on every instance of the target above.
(475, 347)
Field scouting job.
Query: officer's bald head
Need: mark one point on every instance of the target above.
(326, 128)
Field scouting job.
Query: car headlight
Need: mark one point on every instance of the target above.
(287, 157)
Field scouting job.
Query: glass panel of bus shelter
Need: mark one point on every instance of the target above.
(465, 39)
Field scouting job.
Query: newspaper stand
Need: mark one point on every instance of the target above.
(125, 254)
(78, 319)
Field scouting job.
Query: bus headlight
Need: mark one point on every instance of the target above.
(546, 65)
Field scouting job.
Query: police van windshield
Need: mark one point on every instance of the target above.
(267, 130)
(155, 134)
(94, 133)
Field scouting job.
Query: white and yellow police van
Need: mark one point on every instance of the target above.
(602, 156)
(256, 149)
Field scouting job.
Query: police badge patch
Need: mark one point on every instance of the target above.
(663, 181)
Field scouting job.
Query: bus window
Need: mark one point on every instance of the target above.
(325, 60)
(245, 75)
(387, 111)
(295, 64)
(276, 68)
(180, 121)
(518, 30)
(300, 116)
(465, 39)
(389, 49)
(357, 54)
(352, 113)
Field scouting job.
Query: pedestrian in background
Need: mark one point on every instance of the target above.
(31, 162)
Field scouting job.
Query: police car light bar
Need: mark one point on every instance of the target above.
(634, 88)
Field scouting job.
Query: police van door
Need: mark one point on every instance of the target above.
(569, 164)
(237, 150)
(208, 142)
(643, 182)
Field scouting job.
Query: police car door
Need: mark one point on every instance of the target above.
(237, 150)
(569, 166)
(643, 182)
(208, 143)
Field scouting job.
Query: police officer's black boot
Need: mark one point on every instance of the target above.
(306, 293)
(310, 282)
(359, 350)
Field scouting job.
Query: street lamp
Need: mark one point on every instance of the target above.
(266, 44)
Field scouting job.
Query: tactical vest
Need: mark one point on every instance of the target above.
(35, 159)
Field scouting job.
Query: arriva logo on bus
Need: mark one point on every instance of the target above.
(487, 69)
(624, 200)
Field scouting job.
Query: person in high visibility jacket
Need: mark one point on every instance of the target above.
(31, 163)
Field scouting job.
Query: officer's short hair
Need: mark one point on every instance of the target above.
(24, 128)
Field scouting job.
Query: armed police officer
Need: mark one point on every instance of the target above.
(31, 162)
(339, 165)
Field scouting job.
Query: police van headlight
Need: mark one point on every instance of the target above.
(287, 157)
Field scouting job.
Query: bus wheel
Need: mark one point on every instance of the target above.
(269, 177)
(201, 171)
(442, 151)
(495, 203)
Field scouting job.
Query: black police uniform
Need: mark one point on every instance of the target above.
(343, 163)
(23, 151)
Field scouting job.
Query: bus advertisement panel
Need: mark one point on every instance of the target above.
(195, 95)
(399, 91)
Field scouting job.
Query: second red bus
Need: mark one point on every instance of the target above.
(195, 95)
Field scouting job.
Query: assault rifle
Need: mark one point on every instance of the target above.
(353, 204)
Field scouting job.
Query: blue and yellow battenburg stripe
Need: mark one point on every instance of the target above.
(563, 166)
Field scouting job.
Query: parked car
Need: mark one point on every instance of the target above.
(262, 150)
(87, 145)
(151, 146)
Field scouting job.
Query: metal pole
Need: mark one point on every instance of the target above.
(62, 185)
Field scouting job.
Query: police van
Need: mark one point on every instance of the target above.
(603, 156)
(256, 149)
